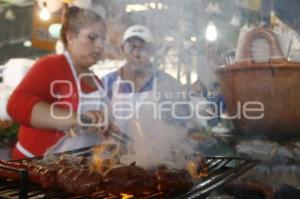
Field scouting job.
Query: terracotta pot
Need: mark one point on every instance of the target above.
(276, 84)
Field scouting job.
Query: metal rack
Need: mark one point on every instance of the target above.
(220, 171)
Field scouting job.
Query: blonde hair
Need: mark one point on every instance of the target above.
(76, 18)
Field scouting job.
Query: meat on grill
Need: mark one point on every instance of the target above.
(132, 180)
(79, 181)
(64, 175)
(73, 176)
(172, 180)
(37, 174)
(76, 178)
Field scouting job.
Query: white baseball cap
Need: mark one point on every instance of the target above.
(139, 31)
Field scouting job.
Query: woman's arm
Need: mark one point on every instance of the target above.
(55, 118)
(30, 103)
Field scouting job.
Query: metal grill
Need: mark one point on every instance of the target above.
(220, 171)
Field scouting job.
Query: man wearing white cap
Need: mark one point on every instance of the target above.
(138, 79)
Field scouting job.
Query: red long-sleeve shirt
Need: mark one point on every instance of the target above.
(50, 80)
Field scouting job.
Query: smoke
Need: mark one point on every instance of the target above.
(269, 151)
(155, 142)
(173, 24)
(179, 30)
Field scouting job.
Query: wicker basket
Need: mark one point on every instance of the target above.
(275, 84)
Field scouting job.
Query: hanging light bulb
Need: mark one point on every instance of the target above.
(211, 31)
(44, 13)
(27, 43)
(193, 39)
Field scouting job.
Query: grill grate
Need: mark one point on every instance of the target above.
(220, 171)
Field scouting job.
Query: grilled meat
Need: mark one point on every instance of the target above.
(132, 180)
(172, 180)
(37, 174)
(75, 177)
(78, 181)
(64, 174)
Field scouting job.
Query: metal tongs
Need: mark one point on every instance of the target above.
(118, 136)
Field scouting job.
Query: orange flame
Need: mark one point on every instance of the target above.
(192, 169)
(126, 196)
(103, 157)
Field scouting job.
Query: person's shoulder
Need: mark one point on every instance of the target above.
(110, 75)
(109, 79)
(51, 58)
(167, 78)
(167, 83)
(51, 62)
(49, 66)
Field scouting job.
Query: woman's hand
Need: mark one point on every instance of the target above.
(94, 121)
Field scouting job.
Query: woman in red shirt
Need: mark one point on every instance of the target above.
(59, 88)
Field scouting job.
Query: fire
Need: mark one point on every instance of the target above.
(104, 157)
(192, 168)
(126, 196)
